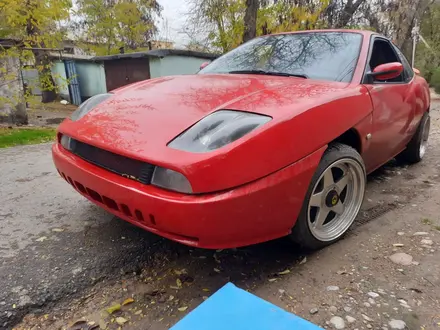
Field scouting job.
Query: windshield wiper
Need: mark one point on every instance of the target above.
(270, 73)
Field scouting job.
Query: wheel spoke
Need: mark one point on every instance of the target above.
(328, 178)
(343, 182)
(316, 199)
(320, 217)
(339, 208)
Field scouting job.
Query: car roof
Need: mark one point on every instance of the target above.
(363, 32)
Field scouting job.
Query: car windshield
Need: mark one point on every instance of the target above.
(315, 55)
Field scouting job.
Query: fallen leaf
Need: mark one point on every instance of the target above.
(41, 239)
(177, 272)
(272, 279)
(217, 270)
(113, 308)
(341, 272)
(303, 261)
(57, 230)
(217, 260)
(78, 322)
(138, 312)
(182, 309)
(284, 272)
(128, 301)
(185, 278)
(102, 324)
(120, 320)
(206, 290)
(179, 283)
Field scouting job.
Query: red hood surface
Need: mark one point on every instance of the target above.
(147, 115)
(141, 119)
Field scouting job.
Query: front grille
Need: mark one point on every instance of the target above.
(126, 167)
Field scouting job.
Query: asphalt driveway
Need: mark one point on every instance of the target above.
(53, 242)
(55, 245)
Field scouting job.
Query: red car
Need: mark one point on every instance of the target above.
(274, 138)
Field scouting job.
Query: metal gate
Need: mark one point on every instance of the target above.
(121, 72)
(72, 78)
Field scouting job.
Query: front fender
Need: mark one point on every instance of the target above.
(283, 141)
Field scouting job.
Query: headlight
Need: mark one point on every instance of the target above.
(88, 105)
(217, 130)
(67, 142)
(172, 180)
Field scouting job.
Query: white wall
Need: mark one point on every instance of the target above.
(175, 65)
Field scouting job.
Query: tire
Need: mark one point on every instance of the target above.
(416, 148)
(314, 229)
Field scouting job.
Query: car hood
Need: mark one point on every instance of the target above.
(142, 118)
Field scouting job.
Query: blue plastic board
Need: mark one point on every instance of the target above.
(231, 308)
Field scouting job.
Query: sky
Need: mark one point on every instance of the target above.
(173, 20)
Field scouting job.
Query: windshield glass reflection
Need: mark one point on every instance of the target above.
(316, 55)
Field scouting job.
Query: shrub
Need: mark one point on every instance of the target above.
(435, 80)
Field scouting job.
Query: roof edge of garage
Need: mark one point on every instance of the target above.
(157, 53)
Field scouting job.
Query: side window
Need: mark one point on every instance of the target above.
(383, 53)
(409, 73)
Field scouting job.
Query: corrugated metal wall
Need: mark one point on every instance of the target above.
(91, 77)
(59, 75)
(99, 77)
(72, 77)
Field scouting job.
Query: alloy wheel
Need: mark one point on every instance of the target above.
(425, 136)
(336, 199)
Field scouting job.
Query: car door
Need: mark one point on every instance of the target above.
(393, 105)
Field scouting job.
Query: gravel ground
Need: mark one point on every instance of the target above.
(64, 260)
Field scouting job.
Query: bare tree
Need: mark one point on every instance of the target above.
(42, 60)
(403, 18)
(250, 20)
(348, 11)
(340, 13)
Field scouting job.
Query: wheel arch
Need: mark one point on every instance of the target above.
(351, 138)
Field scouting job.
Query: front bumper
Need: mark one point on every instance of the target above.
(256, 212)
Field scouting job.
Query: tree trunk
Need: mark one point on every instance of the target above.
(47, 83)
(348, 12)
(42, 62)
(250, 20)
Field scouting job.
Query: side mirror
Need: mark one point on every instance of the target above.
(416, 71)
(387, 71)
(204, 65)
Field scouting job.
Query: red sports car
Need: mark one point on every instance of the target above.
(274, 138)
